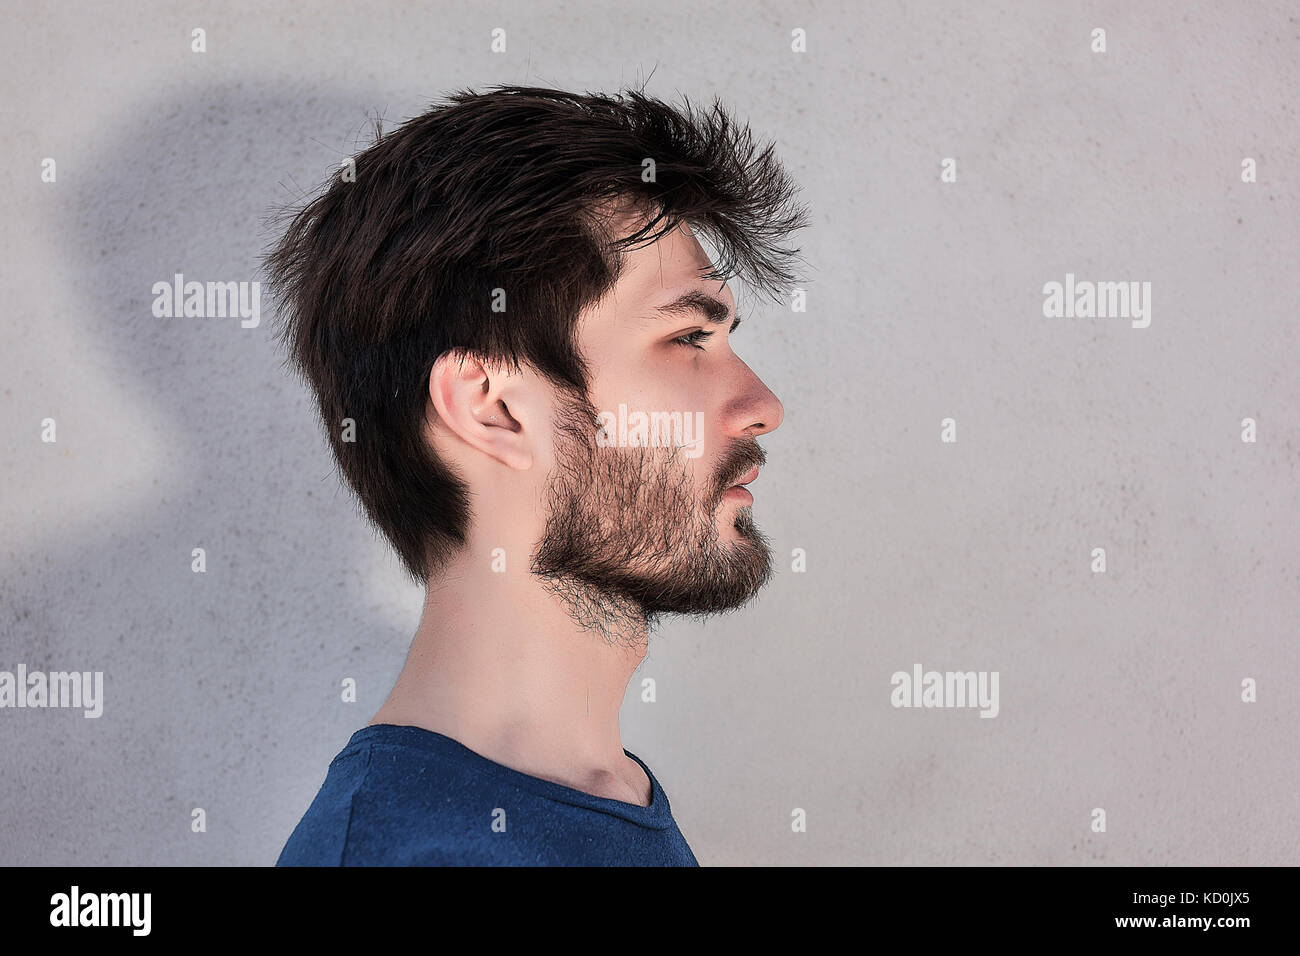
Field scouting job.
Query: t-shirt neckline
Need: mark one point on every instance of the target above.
(658, 815)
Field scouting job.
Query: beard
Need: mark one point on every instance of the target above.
(629, 536)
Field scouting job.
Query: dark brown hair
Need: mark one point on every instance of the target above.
(376, 278)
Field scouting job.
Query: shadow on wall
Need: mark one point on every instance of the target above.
(222, 688)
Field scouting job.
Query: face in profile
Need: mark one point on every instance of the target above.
(659, 528)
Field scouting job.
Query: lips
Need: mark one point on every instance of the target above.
(747, 477)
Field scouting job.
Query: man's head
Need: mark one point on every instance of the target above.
(511, 305)
(639, 502)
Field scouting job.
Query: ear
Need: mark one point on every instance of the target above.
(483, 403)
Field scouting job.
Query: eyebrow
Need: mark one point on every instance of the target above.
(714, 311)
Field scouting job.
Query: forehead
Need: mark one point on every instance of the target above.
(655, 274)
(674, 259)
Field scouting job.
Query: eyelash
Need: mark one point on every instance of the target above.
(692, 339)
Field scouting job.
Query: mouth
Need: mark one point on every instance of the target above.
(738, 492)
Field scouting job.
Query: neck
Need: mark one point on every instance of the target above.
(511, 666)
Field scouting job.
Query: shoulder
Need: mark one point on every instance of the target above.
(393, 799)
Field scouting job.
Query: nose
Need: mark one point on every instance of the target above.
(757, 410)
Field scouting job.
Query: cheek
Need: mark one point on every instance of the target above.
(713, 449)
(646, 388)
(673, 385)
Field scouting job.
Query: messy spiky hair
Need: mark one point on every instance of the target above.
(396, 263)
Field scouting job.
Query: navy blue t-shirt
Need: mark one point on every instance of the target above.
(406, 796)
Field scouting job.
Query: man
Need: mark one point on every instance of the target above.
(522, 356)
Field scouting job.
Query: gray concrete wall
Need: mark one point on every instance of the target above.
(1119, 690)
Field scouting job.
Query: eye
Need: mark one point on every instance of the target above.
(693, 339)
